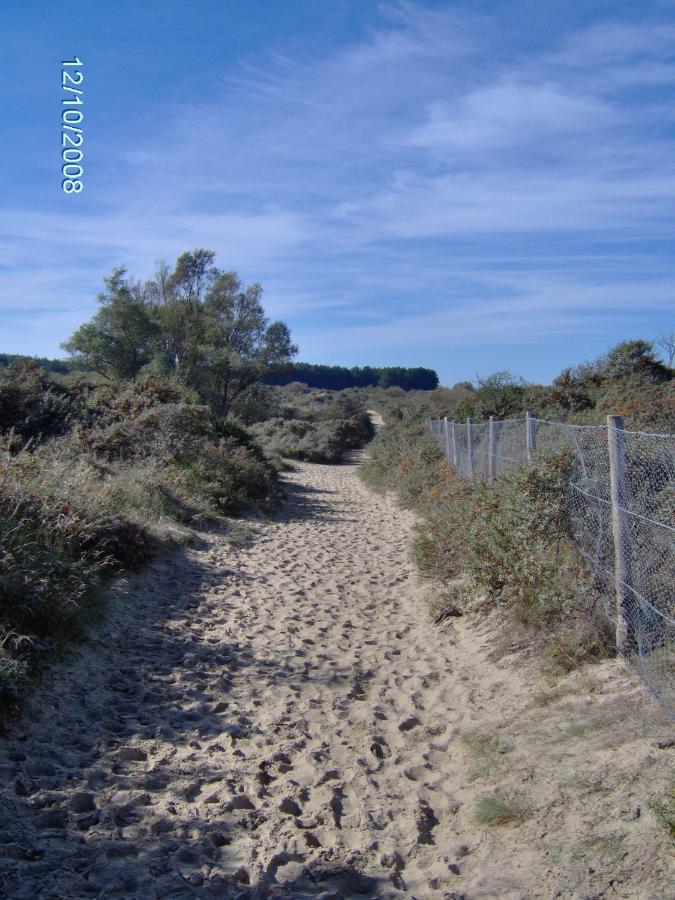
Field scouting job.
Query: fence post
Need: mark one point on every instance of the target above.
(469, 450)
(492, 451)
(530, 436)
(447, 438)
(454, 445)
(625, 636)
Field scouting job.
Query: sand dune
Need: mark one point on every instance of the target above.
(278, 717)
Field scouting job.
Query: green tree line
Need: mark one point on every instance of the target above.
(338, 378)
(49, 365)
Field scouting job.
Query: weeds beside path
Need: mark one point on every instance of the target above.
(277, 717)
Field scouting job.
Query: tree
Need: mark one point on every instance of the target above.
(176, 297)
(339, 377)
(666, 340)
(278, 347)
(195, 321)
(636, 358)
(214, 332)
(630, 357)
(192, 274)
(499, 394)
(238, 344)
(120, 339)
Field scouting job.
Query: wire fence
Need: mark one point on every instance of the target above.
(620, 509)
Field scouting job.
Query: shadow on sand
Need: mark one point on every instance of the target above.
(88, 778)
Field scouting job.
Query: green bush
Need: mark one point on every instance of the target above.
(53, 559)
(258, 403)
(405, 458)
(315, 426)
(509, 543)
(234, 478)
(299, 439)
(90, 486)
(627, 381)
(164, 432)
(35, 407)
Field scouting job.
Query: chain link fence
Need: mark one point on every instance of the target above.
(620, 507)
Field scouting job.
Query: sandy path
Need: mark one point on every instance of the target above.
(277, 719)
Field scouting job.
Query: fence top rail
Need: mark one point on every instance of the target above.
(482, 421)
(568, 424)
(532, 419)
(649, 434)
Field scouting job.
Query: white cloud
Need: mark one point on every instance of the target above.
(517, 202)
(509, 113)
(542, 310)
(615, 42)
(362, 182)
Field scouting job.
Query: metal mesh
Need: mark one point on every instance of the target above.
(480, 453)
(627, 535)
(510, 444)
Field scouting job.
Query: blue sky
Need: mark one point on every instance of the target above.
(470, 186)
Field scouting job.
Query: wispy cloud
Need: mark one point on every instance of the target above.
(509, 114)
(422, 183)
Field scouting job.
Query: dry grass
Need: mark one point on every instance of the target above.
(492, 810)
(664, 812)
(311, 425)
(508, 545)
(115, 473)
(485, 750)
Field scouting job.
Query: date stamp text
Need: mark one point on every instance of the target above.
(72, 136)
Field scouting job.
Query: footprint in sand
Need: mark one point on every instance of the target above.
(270, 720)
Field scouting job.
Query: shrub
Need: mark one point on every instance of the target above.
(407, 459)
(509, 543)
(316, 427)
(13, 678)
(512, 541)
(52, 561)
(161, 431)
(233, 478)
(33, 406)
(297, 387)
(256, 403)
(88, 495)
(628, 380)
(299, 439)
(492, 810)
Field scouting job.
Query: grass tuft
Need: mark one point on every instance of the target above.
(93, 479)
(491, 811)
(664, 812)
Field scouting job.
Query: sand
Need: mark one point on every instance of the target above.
(278, 717)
